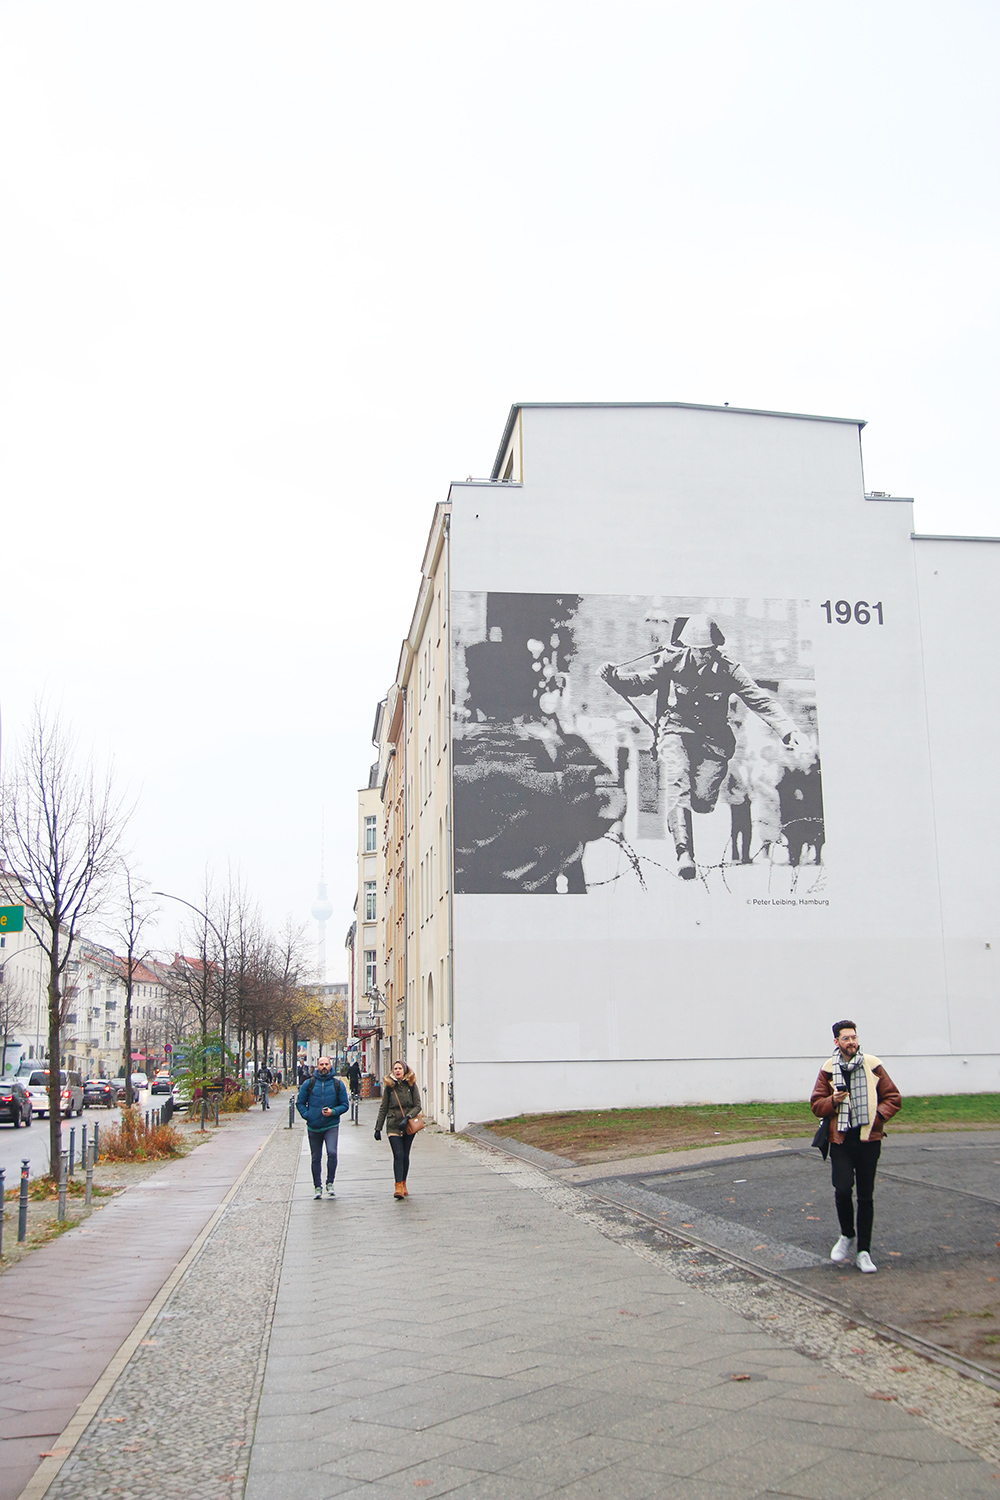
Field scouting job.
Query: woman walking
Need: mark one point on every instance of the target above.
(401, 1108)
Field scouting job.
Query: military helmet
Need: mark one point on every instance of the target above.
(696, 630)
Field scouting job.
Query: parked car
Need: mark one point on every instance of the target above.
(71, 1089)
(15, 1102)
(162, 1084)
(99, 1091)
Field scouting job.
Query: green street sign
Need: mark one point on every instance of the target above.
(11, 918)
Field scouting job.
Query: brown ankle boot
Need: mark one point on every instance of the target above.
(406, 1193)
(400, 1190)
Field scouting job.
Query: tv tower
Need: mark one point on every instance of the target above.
(322, 908)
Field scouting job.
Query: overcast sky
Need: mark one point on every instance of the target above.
(273, 273)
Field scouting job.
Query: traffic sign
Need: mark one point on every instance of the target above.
(11, 918)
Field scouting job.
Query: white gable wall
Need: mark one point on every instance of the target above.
(691, 991)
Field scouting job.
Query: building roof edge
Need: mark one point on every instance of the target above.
(745, 411)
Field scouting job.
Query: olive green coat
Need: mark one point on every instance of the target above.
(391, 1114)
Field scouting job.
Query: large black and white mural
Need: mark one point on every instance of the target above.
(606, 739)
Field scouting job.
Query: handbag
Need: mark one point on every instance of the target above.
(821, 1140)
(410, 1126)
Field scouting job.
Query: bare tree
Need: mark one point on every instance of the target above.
(61, 826)
(136, 914)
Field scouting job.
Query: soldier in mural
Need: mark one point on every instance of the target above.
(693, 680)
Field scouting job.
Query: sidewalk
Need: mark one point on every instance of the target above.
(490, 1339)
(67, 1307)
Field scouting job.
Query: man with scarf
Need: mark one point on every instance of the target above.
(856, 1095)
(693, 680)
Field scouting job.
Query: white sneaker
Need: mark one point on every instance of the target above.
(865, 1262)
(329, 1190)
(844, 1249)
(318, 1194)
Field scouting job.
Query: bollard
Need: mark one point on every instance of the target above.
(62, 1187)
(216, 1109)
(72, 1148)
(89, 1158)
(97, 1141)
(1, 1213)
(147, 1121)
(204, 1111)
(83, 1146)
(291, 1112)
(22, 1207)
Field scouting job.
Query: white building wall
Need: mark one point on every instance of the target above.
(710, 989)
(959, 582)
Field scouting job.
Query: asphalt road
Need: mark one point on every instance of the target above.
(936, 1241)
(32, 1141)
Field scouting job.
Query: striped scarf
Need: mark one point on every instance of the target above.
(850, 1075)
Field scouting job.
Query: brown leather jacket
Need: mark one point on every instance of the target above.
(883, 1099)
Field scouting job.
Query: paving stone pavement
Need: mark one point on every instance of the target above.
(179, 1419)
(66, 1308)
(501, 1336)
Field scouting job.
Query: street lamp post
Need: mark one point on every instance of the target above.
(222, 943)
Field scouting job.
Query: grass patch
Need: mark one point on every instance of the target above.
(585, 1136)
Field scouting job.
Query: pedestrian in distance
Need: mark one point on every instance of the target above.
(321, 1101)
(401, 1112)
(264, 1078)
(855, 1095)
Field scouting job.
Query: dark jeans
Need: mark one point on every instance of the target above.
(316, 1139)
(855, 1162)
(400, 1155)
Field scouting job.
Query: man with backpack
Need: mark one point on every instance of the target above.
(321, 1101)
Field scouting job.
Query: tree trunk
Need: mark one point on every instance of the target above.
(55, 1090)
(129, 1101)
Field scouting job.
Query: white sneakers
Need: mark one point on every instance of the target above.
(846, 1249)
(329, 1190)
(318, 1194)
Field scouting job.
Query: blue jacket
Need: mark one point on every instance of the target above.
(318, 1092)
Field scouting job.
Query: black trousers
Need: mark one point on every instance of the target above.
(317, 1140)
(400, 1155)
(855, 1162)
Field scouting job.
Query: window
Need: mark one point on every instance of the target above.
(371, 969)
(370, 835)
(369, 901)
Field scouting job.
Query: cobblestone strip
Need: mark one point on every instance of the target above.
(962, 1409)
(179, 1420)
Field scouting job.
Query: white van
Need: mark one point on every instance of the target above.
(36, 1081)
